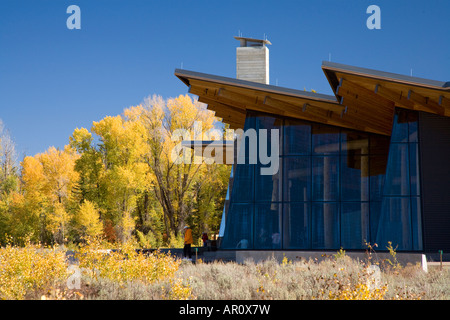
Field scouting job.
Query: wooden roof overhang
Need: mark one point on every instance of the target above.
(364, 100)
(231, 98)
(353, 85)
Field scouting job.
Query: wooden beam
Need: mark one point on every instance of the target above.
(305, 110)
(289, 107)
(396, 96)
(361, 111)
(362, 94)
(216, 106)
(241, 98)
(445, 102)
(233, 116)
(425, 102)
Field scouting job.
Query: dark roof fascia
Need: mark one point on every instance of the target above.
(184, 76)
(331, 67)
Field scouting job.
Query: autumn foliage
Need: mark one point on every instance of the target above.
(115, 180)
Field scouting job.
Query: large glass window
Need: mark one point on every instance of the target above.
(297, 137)
(325, 178)
(354, 224)
(325, 225)
(268, 226)
(296, 225)
(355, 178)
(243, 183)
(297, 178)
(395, 224)
(397, 171)
(334, 188)
(239, 227)
(325, 139)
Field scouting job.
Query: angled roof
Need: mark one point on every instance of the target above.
(187, 75)
(364, 99)
(349, 83)
(388, 76)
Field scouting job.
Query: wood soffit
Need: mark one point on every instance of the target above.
(364, 102)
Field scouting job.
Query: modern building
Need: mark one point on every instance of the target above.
(370, 164)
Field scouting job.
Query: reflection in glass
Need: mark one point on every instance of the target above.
(397, 173)
(377, 167)
(325, 139)
(412, 123)
(395, 223)
(297, 137)
(335, 188)
(354, 143)
(243, 183)
(416, 220)
(355, 178)
(267, 226)
(239, 227)
(325, 225)
(297, 178)
(400, 129)
(354, 224)
(267, 187)
(379, 145)
(325, 178)
(268, 124)
(414, 169)
(296, 225)
(374, 220)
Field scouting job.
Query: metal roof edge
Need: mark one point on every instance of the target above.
(184, 74)
(334, 66)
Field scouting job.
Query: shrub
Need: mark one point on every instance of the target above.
(28, 269)
(125, 265)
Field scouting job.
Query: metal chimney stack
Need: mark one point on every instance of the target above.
(252, 60)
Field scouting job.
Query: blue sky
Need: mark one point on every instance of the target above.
(53, 80)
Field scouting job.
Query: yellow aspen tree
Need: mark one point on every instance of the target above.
(88, 220)
(48, 179)
(173, 183)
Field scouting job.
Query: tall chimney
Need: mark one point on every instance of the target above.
(252, 60)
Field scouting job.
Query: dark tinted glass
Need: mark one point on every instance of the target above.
(243, 183)
(296, 225)
(395, 223)
(325, 225)
(354, 143)
(297, 138)
(267, 187)
(397, 173)
(297, 178)
(354, 224)
(267, 226)
(239, 227)
(355, 178)
(325, 139)
(325, 178)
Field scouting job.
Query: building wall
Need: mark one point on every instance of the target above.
(435, 168)
(335, 188)
(252, 64)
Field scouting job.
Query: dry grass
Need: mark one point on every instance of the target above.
(31, 273)
(332, 278)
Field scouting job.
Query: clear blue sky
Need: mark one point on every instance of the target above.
(53, 80)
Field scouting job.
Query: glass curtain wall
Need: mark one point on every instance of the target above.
(334, 188)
